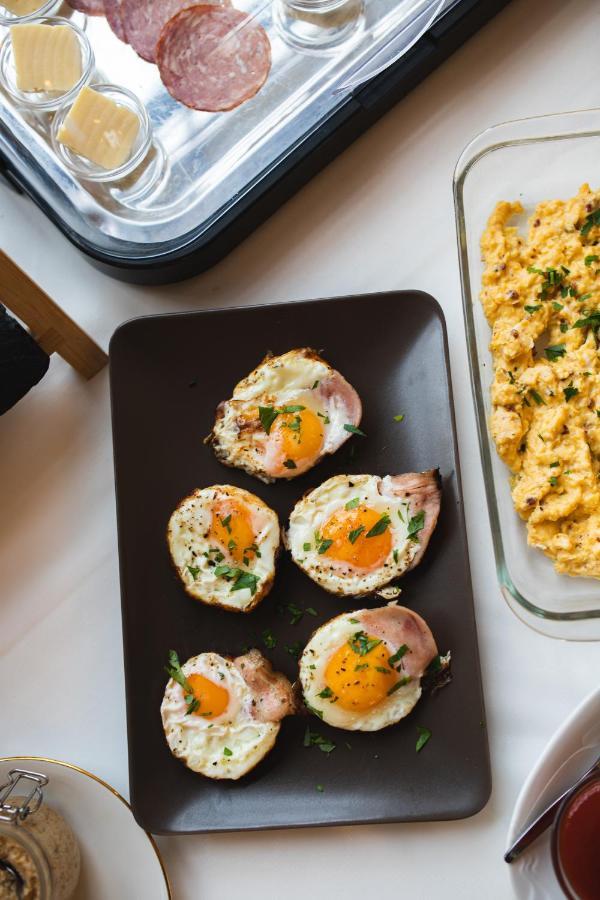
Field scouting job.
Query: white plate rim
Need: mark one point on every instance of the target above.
(549, 760)
(110, 788)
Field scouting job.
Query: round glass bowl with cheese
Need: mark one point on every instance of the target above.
(45, 100)
(91, 170)
(19, 11)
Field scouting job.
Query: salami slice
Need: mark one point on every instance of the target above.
(143, 21)
(213, 59)
(90, 7)
(114, 17)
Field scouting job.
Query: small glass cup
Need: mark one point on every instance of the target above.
(562, 875)
(8, 18)
(318, 25)
(44, 101)
(91, 171)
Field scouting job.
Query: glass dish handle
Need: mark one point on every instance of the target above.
(412, 26)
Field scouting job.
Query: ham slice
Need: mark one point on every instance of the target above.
(273, 694)
(397, 625)
(423, 492)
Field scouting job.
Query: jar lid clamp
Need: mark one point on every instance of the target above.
(9, 812)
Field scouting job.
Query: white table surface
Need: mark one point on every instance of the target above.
(380, 217)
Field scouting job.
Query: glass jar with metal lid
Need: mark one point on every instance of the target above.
(39, 854)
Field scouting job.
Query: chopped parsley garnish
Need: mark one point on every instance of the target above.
(362, 644)
(416, 524)
(400, 683)
(193, 570)
(584, 297)
(532, 309)
(359, 667)
(395, 555)
(400, 652)
(355, 621)
(570, 392)
(537, 397)
(592, 320)
(175, 672)
(555, 351)
(315, 385)
(326, 419)
(553, 465)
(591, 259)
(231, 545)
(564, 327)
(354, 430)
(245, 580)
(306, 547)
(325, 693)
(314, 739)
(383, 670)
(320, 788)
(399, 417)
(400, 516)
(311, 611)
(225, 523)
(324, 546)
(553, 481)
(267, 415)
(355, 533)
(553, 280)
(557, 306)
(291, 409)
(590, 220)
(295, 649)
(227, 751)
(269, 639)
(380, 526)
(352, 504)
(424, 735)
(290, 464)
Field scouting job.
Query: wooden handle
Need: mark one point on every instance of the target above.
(52, 329)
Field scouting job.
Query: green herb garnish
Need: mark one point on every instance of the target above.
(591, 259)
(380, 526)
(424, 735)
(354, 430)
(399, 417)
(398, 685)
(227, 751)
(416, 524)
(355, 533)
(590, 220)
(570, 392)
(352, 504)
(537, 397)
(400, 652)
(326, 693)
(269, 639)
(290, 464)
(175, 672)
(362, 644)
(532, 309)
(193, 570)
(267, 415)
(555, 351)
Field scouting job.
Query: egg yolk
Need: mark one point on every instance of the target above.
(213, 698)
(299, 435)
(231, 526)
(360, 681)
(348, 531)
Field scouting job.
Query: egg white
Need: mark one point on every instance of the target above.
(202, 743)
(325, 641)
(312, 512)
(189, 545)
(286, 380)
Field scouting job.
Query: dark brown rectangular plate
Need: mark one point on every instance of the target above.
(167, 375)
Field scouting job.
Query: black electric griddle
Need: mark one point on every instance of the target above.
(205, 243)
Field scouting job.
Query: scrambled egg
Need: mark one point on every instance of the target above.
(541, 296)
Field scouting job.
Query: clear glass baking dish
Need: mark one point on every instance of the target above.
(527, 160)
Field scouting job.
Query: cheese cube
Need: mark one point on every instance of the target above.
(100, 129)
(21, 7)
(47, 57)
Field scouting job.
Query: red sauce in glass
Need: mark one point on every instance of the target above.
(579, 843)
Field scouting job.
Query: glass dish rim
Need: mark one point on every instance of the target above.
(465, 163)
(88, 63)
(118, 171)
(44, 10)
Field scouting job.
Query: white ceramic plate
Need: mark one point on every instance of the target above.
(572, 750)
(118, 858)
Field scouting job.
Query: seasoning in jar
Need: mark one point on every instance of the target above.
(39, 854)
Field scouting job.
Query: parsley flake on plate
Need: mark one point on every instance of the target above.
(424, 735)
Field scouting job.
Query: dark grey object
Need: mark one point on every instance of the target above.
(22, 362)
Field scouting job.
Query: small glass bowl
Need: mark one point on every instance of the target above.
(8, 18)
(562, 876)
(318, 25)
(85, 168)
(44, 101)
